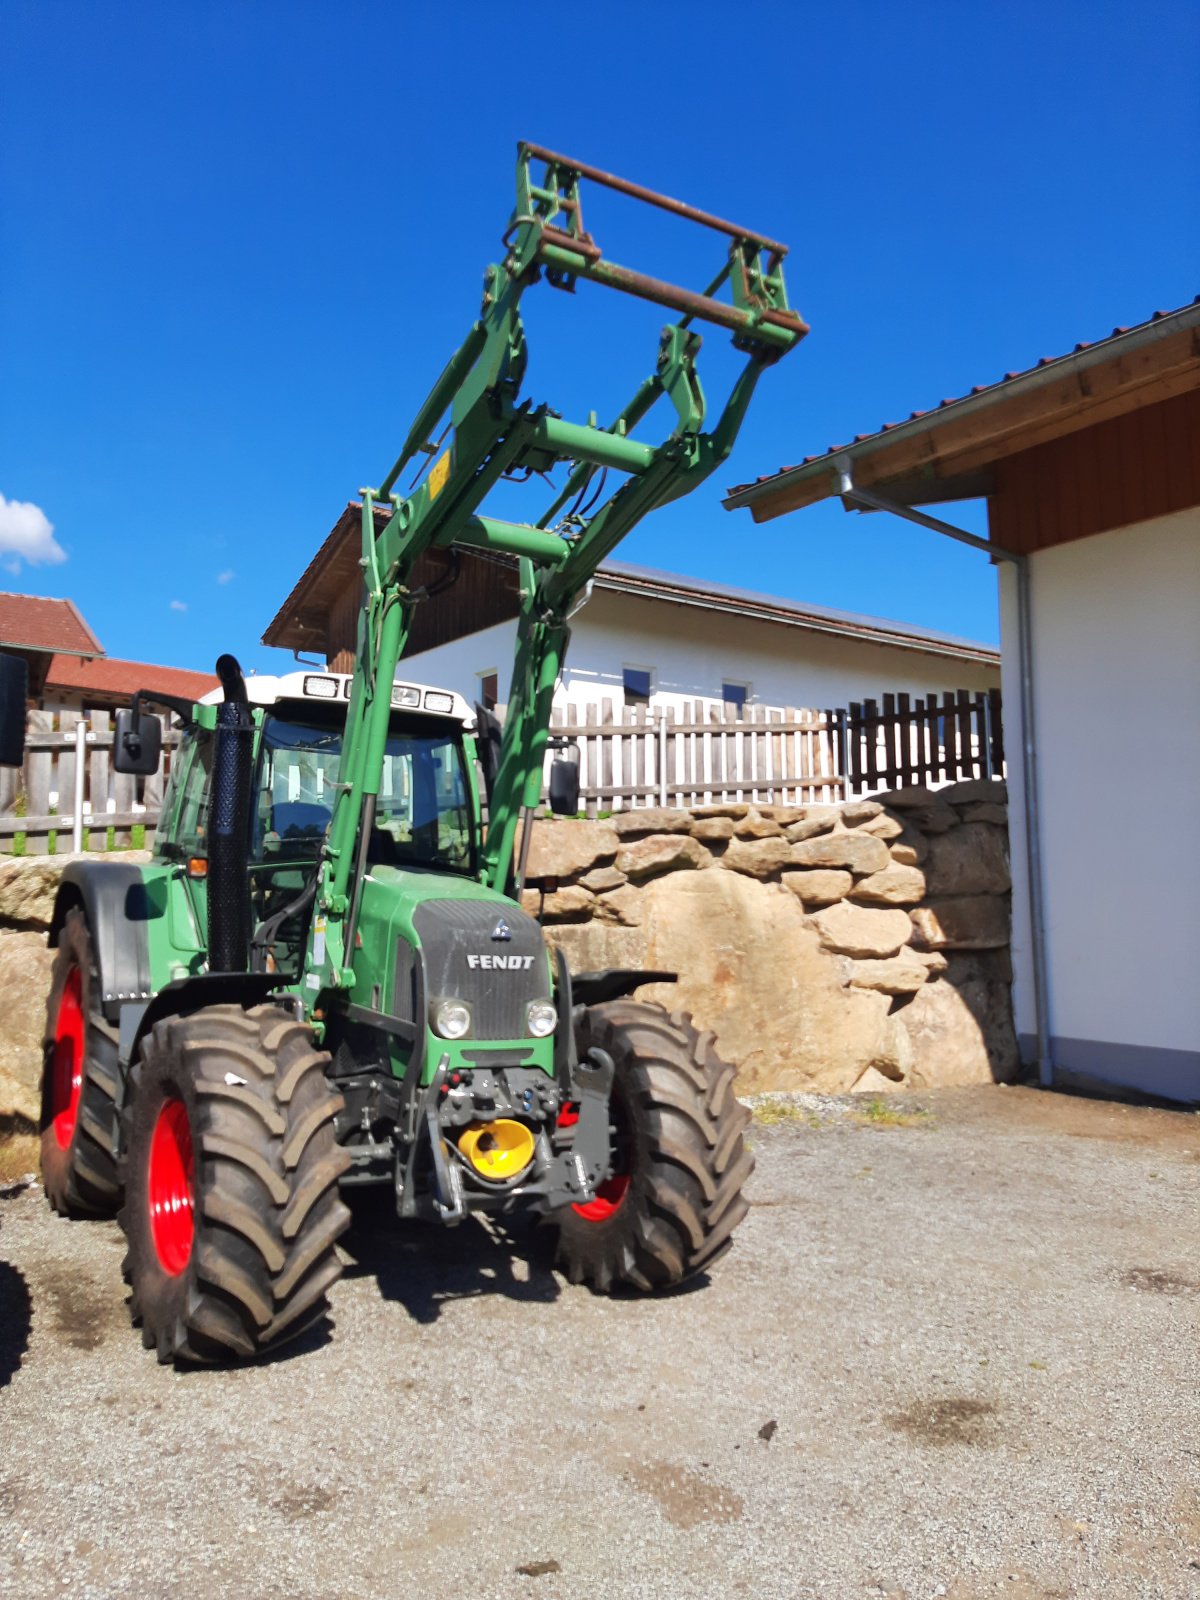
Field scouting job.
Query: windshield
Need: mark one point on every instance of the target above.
(423, 813)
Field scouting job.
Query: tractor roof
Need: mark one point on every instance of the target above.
(420, 698)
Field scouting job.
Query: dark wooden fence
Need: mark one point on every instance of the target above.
(932, 740)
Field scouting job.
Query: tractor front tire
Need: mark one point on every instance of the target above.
(80, 1076)
(231, 1184)
(669, 1208)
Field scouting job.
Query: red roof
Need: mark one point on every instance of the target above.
(125, 678)
(30, 622)
(980, 388)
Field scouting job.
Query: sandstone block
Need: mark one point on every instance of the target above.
(651, 819)
(571, 903)
(993, 791)
(934, 819)
(567, 848)
(751, 967)
(712, 830)
(783, 815)
(860, 811)
(961, 1032)
(964, 922)
(600, 879)
(29, 884)
(973, 859)
(894, 886)
(818, 887)
(996, 815)
(661, 852)
(622, 906)
(755, 826)
(910, 796)
(903, 974)
(25, 964)
(875, 1082)
(593, 945)
(910, 849)
(883, 827)
(853, 852)
(758, 858)
(933, 961)
(816, 822)
(734, 809)
(852, 930)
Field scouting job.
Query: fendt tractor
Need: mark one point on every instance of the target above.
(324, 976)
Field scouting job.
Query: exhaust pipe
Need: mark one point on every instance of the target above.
(229, 826)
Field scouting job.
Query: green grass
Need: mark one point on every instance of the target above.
(881, 1113)
(774, 1113)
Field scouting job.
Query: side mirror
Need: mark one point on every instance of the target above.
(137, 744)
(14, 693)
(564, 788)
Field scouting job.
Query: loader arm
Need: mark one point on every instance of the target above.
(488, 432)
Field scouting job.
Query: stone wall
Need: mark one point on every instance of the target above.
(862, 946)
(853, 947)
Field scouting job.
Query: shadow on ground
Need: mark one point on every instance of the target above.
(16, 1317)
(422, 1266)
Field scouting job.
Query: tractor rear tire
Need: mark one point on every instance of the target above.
(80, 1077)
(231, 1184)
(679, 1158)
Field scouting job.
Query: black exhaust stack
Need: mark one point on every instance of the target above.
(229, 826)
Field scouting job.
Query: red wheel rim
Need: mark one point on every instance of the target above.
(611, 1193)
(66, 1066)
(169, 1188)
(608, 1201)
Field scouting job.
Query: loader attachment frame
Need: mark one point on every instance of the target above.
(475, 429)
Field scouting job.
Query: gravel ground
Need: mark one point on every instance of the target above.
(952, 1355)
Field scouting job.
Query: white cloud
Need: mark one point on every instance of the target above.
(26, 534)
(178, 605)
(226, 576)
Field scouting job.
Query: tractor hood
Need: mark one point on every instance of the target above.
(428, 937)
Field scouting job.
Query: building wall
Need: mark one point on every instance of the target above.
(1117, 699)
(691, 652)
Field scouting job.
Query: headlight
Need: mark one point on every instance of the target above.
(452, 1019)
(541, 1017)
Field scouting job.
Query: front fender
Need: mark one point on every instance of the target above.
(116, 901)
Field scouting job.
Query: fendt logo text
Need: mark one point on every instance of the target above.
(501, 963)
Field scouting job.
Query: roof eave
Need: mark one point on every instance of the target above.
(1006, 391)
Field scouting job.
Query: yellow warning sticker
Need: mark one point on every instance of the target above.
(438, 474)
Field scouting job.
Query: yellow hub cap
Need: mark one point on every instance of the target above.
(498, 1150)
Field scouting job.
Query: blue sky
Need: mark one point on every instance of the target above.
(238, 242)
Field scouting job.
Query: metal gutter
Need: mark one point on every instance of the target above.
(1033, 830)
(1024, 383)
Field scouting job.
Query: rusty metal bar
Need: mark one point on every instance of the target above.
(663, 201)
(762, 326)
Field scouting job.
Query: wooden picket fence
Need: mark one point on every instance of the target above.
(924, 740)
(701, 753)
(37, 801)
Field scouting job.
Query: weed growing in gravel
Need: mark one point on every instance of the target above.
(878, 1113)
(771, 1113)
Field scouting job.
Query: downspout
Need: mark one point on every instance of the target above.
(1033, 829)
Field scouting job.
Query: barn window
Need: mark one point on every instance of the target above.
(637, 686)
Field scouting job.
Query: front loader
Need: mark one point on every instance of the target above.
(324, 978)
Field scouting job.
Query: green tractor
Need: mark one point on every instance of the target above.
(324, 978)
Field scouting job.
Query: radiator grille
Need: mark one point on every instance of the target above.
(452, 930)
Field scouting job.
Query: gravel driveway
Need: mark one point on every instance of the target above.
(953, 1356)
